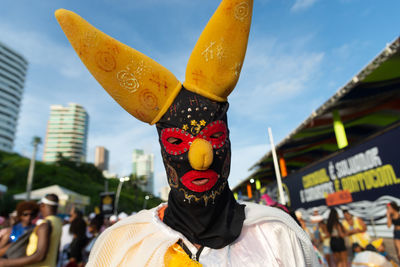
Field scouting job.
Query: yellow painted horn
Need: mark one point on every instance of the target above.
(216, 61)
(140, 85)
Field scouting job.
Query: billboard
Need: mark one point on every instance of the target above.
(367, 171)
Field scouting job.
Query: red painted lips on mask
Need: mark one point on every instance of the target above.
(199, 181)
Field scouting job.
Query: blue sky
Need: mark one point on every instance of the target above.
(300, 53)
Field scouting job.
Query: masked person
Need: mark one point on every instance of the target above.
(202, 224)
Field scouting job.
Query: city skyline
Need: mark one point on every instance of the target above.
(299, 54)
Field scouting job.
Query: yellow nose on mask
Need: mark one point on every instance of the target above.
(200, 154)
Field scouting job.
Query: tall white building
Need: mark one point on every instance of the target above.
(13, 68)
(143, 166)
(66, 135)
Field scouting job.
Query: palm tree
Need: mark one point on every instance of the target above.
(36, 141)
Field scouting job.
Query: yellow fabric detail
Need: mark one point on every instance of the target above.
(176, 257)
(51, 257)
(361, 238)
(200, 154)
(377, 243)
(216, 61)
(32, 244)
(140, 85)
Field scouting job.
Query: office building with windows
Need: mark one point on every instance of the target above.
(101, 158)
(13, 67)
(143, 168)
(66, 135)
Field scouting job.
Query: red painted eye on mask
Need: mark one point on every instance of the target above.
(176, 141)
(216, 133)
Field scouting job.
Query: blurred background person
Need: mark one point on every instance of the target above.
(325, 240)
(315, 220)
(94, 229)
(393, 218)
(26, 212)
(356, 229)
(79, 241)
(66, 236)
(302, 223)
(337, 234)
(43, 243)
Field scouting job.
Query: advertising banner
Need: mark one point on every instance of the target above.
(367, 171)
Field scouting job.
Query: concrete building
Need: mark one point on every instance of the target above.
(66, 134)
(101, 157)
(13, 68)
(143, 167)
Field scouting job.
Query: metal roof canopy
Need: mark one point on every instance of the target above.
(368, 104)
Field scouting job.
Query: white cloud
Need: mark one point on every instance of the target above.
(274, 73)
(300, 5)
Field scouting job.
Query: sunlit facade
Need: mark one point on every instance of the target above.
(143, 167)
(13, 69)
(67, 131)
(101, 158)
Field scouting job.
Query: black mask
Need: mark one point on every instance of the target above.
(196, 151)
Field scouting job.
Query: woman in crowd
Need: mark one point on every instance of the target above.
(94, 228)
(79, 241)
(393, 217)
(26, 212)
(337, 234)
(326, 242)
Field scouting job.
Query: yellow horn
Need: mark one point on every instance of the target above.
(140, 85)
(214, 66)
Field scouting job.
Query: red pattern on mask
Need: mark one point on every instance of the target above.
(190, 176)
(186, 138)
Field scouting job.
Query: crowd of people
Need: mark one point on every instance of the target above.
(34, 235)
(343, 241)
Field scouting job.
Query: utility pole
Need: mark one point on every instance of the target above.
(35, 142)
(277, 171)
(121, 181)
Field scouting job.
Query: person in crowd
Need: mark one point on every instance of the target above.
(43, 243)
(325, 241)
(356, 229)
(66, 236)
(370, 257)
(302, 222)
(393, 218)
(26, 212)
(202, 223)
(380, 247)
(94, 229)
(315, 220)
(79, 241)
(4, 228)
(113, 219)
(356, 248)
(337, 234)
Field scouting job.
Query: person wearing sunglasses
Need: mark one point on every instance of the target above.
(26, 212)
(42, 248)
